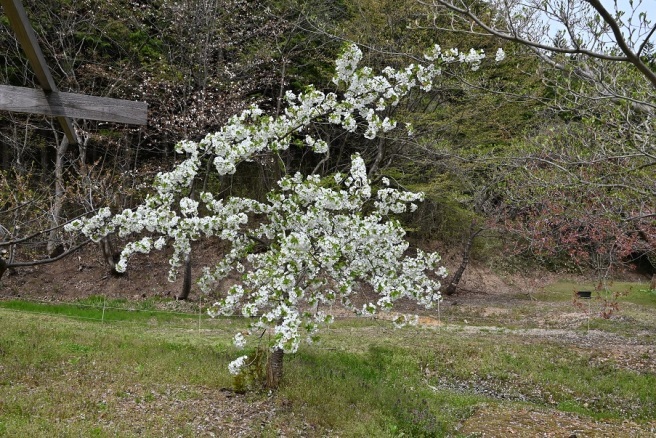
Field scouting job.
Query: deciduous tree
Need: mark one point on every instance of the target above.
(317, 239)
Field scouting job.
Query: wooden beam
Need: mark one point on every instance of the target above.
(27, 38)
(51, 101)
(72, 105)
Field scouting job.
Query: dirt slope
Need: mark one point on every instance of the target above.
(84, 274)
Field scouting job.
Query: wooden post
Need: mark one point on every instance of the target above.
(27, 38)
(51, 101)
(63, 106)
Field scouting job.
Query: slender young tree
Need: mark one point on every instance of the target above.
(318, 239)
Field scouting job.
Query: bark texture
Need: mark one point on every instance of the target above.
(110, 254)
(274, 368)
(3, 267)
(186, 282)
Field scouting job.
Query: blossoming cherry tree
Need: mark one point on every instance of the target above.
(323, 238)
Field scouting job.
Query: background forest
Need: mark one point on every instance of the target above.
(542, 161)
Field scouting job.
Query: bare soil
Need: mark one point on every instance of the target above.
(84, 274)
(532, 422)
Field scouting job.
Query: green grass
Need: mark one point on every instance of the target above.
(62, 375)
(116, 310)
(635, 313)
(642, 296)
(57, 371)
(379, 392)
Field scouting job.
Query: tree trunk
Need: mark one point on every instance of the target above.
(3, 267)
(53, 248)
(274, 368)
(186, 282)
(110, 254)
(455, 279)
(652, 285)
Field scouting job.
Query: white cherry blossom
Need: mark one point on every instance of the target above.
(323, 242)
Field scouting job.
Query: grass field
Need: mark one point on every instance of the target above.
(66, 371)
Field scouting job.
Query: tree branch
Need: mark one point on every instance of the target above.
(513, 36)
(621, 42)
(51, 259)
(646, 40)
(31, 236)
(4, 265)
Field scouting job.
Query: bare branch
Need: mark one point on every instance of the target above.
(621, 42)
(38, 233)
(50, 259)
(11, 210)
(513, 35)
(4, 266)
(646, 40)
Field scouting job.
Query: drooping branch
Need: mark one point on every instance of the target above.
(38, 233)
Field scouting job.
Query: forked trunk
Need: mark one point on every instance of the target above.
(274, 368)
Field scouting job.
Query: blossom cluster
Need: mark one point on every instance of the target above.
(321, 246)
(236, 365)
(323, 249)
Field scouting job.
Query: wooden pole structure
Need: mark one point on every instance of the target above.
(71, 105)
(49, 100)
